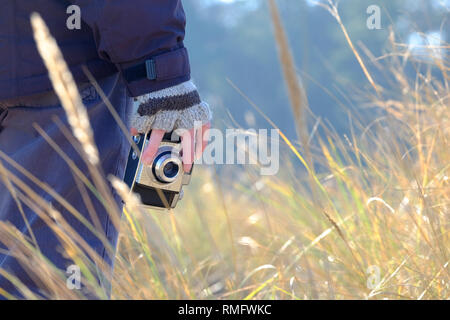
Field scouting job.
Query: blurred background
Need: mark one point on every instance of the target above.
(234, 39)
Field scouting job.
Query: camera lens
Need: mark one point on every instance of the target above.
(167, 166)
(171, 170)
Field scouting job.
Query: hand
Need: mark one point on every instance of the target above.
(193, 144)
(175, 108)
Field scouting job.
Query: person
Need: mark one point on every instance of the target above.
(135, 51)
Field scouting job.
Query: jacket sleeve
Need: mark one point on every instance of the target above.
(143, 38)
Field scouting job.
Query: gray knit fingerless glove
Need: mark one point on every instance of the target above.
(178, 107)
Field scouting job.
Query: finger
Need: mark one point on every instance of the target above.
(187, 144)
(150, 151)
(198, 143)
(205, 133)
(134, 132)
(200, 137)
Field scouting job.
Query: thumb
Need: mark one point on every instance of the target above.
(134, 132)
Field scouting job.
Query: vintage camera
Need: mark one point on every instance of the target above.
(160, 185)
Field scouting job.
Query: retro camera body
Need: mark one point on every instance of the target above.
(159, 185)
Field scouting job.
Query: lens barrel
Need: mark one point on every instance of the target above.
(167, 167)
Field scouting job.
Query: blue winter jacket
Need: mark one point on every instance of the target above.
(142, 39)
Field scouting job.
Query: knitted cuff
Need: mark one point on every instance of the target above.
(178, 107)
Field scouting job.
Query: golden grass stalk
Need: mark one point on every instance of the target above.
(65, 87)
(67, 91)
(132, 202)
(297, 95)
(333, 9)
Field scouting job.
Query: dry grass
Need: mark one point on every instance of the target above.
(372, 223)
